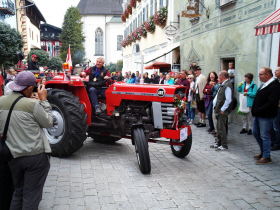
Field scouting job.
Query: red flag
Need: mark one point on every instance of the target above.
(68, 58)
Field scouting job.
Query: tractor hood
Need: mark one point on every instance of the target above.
(119, 91)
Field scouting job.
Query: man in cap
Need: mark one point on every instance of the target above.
(33, 64)
(26, 140)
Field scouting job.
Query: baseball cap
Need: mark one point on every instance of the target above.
(34, 56)
(22, 81)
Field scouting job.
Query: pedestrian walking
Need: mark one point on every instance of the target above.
(212, 80)
(200, 82)
(264, 110)
(26, 140)
(222, 107)
(276, 121)
(248, 90)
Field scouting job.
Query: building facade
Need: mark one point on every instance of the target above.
(7, 12)
(50, 39)
(151, 34)
(102, 28)
(28, 24)
(225, 32)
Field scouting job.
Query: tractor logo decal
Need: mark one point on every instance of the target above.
(161, 92)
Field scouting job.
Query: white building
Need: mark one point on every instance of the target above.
(161, 47)
(102, 28)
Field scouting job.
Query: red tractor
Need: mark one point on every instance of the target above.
(144, 113)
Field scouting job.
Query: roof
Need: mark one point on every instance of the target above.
(100, 7)
(158, 65)
(115, 19)
(269, 25)
(50, 26)
(39, 14)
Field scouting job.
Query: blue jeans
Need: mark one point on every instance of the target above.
(276, 127)
(262, 132)
(93, 93)
(190, 111)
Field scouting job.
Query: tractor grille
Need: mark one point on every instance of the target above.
(167, 110)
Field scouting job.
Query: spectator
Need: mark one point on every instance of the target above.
(146, 78)
(26, 140)
(161, 78)
(276, 122)
(222, 108)
(200, 83)
(191, 104)
(264, 110)
(212, 80)
(168, 80)
(155, 79)
(231, 72)
(132, 79)
(138, 77)
(33, 63)
(183, 81)
(11, 74)
(126, 77)
(249, 89)
(119, 77)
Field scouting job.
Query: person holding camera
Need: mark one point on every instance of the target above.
(26, 141)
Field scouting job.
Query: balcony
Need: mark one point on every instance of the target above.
(7, 7)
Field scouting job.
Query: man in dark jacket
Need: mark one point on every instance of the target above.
(97, 79)
(264, 110)
(33, 64)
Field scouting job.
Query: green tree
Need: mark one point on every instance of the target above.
(119, 65)
(10, 44)
(72, 35)
(55, 63)
(43, 57)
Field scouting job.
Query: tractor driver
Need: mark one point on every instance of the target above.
(97, 79)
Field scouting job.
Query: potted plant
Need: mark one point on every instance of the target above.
(160, 18)
(141, 30)
(129, 9)
(150, 25)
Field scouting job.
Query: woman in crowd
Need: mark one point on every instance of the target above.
(191, 104)
(132, 79)
(146, 78)
(212, 80)
(249, 89)
(168, 80)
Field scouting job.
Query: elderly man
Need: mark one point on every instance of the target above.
(199, 85)
(97, 79)
(276, 122)
(222, 108)
(264, 110)
(26, 140)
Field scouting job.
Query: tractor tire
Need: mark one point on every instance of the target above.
(182, 151)
(69, 131)
(104, 139)
(142, 150)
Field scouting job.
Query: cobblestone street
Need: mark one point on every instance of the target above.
(107, 177)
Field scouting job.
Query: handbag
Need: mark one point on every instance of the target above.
(5, 154)
(243, 108)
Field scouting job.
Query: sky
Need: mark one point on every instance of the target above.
(54, 10)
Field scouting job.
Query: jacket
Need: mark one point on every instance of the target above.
(25, 135)
(266, 102)
(199, 85)
(96, 76)
(251, 94)
(221, 98)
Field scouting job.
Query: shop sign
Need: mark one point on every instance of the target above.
(170, 30)
(192, 10)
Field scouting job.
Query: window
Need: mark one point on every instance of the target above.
(151, 7)
(147, 12)
(160, 3)
(98, 41)
(226, 2)
(156, 5)
(144, 14)
(119, 42)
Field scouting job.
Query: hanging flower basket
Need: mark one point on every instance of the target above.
(133, 3)
(160, 18)
(123, 18)
(129, 9)
(129, 39)
(141, 30)
(149, 25)
(124, 43)
(136, 35)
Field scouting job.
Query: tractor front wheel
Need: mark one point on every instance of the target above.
(69, 130)
(142, 150)
(182, 151)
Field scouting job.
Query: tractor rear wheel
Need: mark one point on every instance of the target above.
(69, 131)
(182, 151)
(142, 150)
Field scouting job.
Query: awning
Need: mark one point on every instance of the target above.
(160, 53)
(158, 65)
(269, 25)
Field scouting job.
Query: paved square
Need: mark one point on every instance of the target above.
(101, 176)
